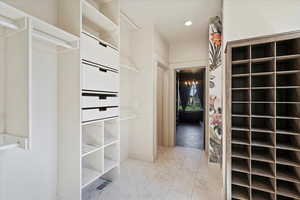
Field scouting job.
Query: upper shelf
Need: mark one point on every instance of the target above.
(127, 63)
(14, 19)
(93, 15)
(8, 141)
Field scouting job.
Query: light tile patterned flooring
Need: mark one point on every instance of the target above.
(178, 174)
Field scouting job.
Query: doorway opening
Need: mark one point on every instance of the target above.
(190, 108)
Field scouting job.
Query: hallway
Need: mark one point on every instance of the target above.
(190, 135)
(178, 174)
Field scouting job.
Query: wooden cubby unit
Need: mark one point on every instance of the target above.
(263, 83)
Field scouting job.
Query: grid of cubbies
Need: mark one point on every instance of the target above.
(265, 121)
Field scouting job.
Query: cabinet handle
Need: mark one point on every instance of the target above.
(102, 70)
(101, 97)
(102, 44)
(102, 109)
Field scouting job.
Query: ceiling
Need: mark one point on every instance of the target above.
(169, 16)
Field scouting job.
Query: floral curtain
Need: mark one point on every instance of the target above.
(215, 91)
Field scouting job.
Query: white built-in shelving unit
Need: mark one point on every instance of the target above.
(89, 97)
(18, 33)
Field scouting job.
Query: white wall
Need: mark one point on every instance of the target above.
(32, 175)
(189, 52)
(161, 47)
(244, 19)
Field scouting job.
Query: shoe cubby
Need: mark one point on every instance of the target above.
(262, 109)
(111, 130)
(92, 167)
(262, 124)
(264, 154)
(240, 151)
(262, 67)
(240, 122)
(240, 137)
(267, 154)
(288, 79)
(243, 68)
(240, 165)
(92, 138)
(241, 179)
(264, 95)
(263, 183)
(286, 65)
(240, 53)
(288, 47)
(288, 95)
(280, 197)
(240, 82)
(265, 50)
(289, 173)
(111, 157)
(262, 81)
(288, 110)
(240, 95)
(262, 195)
(240, 192)
(288, 157)
(288, 125)
(289, 142)
(265, 139)
(240, 109)
(262, 168)
(288, 189)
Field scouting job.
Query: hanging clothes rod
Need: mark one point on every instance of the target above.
(6, 22)
(49, 38)
(130, 22)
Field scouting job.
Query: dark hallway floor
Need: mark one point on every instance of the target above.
(190, 135)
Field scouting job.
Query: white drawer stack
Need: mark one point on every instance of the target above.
(100, 79)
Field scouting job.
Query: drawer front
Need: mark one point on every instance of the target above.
(97, 52)
(97, 114)
(99, 79)
(102, 100)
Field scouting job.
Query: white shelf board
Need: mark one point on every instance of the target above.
(11, 17)
(11, 12)
(89, 176)
(100, 40)
(127, 115)
(88, 149)
(95, 16)
(109, 164)
(8, 141)
(100, 120)
(129, 67)
(109, 141)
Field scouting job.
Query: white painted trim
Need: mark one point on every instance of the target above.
(188, 64)
(130, 22)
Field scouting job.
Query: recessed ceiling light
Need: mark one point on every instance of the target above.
(188, 23)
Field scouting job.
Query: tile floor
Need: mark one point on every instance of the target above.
(178, 174)
(190, 135)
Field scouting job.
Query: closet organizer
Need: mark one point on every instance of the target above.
(263, 143)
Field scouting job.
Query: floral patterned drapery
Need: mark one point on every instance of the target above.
(215, 90)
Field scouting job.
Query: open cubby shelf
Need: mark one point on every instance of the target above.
(262, 168)
(262, 195)
(240, 192)
(265, 118)
(263, 183)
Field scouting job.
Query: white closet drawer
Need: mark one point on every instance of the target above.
(99, 113)
(103, 100)
(98, 52)
(99, 79)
